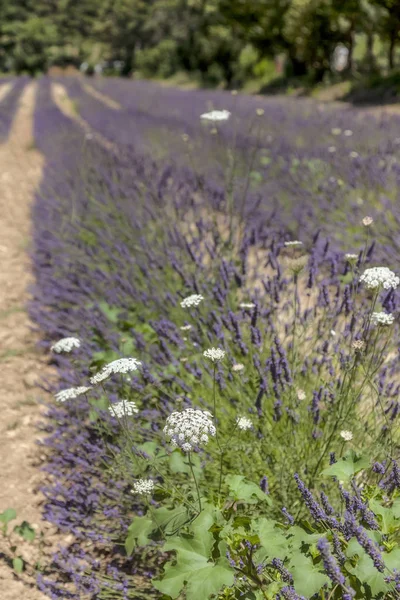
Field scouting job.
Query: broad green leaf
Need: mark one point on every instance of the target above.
(246, 491)
(345, 468)
(396, 508)
(170, 520)
(370, 578)
(25, 531)
(179, 463)
(392, 559)
(389, 522)
(138, 532)
(18, 564)
(307, 578)
(111, 312)
(203, 578)
(298, 536)
(274, 544)
(8, 515)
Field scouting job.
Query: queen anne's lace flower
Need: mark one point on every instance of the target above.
(354, 154)
(247, 305)
(377, 277)
(293, 243)
(121, 365)
(214, 354)
(358, 345)
(71, 393)
(336, 131)
(367, 221)
(346, 435)
(193, 300)
(124, 408)
(301, 395)
(382, 318)
(186, 327)
(238, 367)
(189, 428)
(244, 423)
(351, 257)
(65, 345)
(348, 132)
(143, 486)
(216, 115)
(331, 149)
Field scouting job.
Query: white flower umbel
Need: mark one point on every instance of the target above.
(301, 395)
(293, 243)
(354, 154)
(367, 221)
(121, 365)
(382, 318)
(247, 305)
(214, 354)
(143, 486)
(336, 131)
(237, 367)
(190, 428)
(71, 393)
(124, 408)
(216, 115)
(351, 257)
(65, 345)
(331, 149)
(346, 435)
(193, 300)
(379, 277)
(244, 423)
(348, 132)
(186, 327)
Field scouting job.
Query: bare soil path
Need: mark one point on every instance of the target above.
(20, 362)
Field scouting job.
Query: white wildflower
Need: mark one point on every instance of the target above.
(193, 300)
(66, 345)
(378, 277)
(354, 154)
(244, 423)
(358, 345)
(367, 221)
(301, 395)
(189, 428)
(216, 115)
(71, 393)
(260, 112)
(247, 305)
(293, 243)
(214, 354)
(238, 367)
(333, 332)
(351, 257)
(382, 318)
(346, 435)
(332, 149)
(124, 408)
(186, 327)
(336, 131)
(121, 365)
(143, 486)
(347, 132)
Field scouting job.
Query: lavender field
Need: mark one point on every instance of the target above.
(216, 283)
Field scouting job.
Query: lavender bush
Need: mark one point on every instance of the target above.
(187, 289)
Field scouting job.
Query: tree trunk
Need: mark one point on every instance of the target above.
(392, 45)
(369, 52)
(351, 48)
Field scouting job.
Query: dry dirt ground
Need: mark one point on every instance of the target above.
(20, 362)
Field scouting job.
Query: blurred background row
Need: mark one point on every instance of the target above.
(257, 45)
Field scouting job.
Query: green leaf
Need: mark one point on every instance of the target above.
(111, 312)
(179, 463)
(392, 560)
(297, 536)
(18, 564)
(170, 520)
(389, 522)
(396, 508)
(307, 578)
(245, 491)
(202, 578)
(274, 544)
(8, 515)
(347, 466)
(370, 578)
(138, 533)
(25, 531)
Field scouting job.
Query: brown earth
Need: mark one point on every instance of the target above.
(21, 363)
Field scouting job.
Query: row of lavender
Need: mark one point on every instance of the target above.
(120, 239)
(298, 163)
